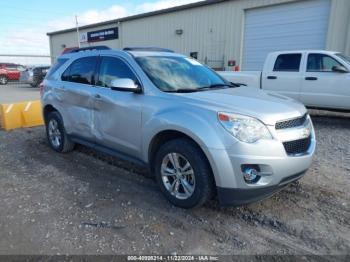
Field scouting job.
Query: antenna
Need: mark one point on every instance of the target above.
(77, 26)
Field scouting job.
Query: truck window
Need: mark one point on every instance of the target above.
(287, 63)
(321, 63)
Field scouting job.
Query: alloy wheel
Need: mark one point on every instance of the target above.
(178, 176)
(55, 135)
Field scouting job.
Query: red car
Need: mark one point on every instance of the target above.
(10, 72)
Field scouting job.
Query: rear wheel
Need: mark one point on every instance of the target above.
(3, 80)
(56, 134)
(184, 174)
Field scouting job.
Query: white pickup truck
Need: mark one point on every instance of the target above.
(318, 79)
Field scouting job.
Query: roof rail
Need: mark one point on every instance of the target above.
(150, 49)
(90, 48)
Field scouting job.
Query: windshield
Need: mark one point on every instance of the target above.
(172, 74)
(344, 57)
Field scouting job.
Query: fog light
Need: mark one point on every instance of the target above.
(250, 175)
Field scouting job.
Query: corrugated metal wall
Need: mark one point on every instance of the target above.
(293, 26)
(214, 31)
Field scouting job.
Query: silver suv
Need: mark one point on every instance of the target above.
(200, 135)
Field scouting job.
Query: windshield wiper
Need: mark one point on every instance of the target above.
(182, 90)
(202, 88)
(214, 86)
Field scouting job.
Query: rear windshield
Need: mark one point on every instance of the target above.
(56, 66)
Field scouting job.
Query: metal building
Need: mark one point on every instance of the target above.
(224, 33)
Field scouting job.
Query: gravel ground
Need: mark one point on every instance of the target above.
(87, 203)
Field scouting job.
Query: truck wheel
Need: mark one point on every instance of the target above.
(184, 174)
(3, 80)
(56, 134)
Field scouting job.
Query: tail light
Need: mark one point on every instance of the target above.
(236, 68)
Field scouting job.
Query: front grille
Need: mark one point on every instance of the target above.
(291, 123)
(297, 146)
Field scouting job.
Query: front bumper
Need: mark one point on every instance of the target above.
(238, 196)
(276, 167)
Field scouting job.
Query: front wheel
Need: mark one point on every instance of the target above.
(184, 174)
(3, 80)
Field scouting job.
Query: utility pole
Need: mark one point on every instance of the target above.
(77, 26)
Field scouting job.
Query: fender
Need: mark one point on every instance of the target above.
(195, 123)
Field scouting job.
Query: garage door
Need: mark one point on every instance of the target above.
(300, 25)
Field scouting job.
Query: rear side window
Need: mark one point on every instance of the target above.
(113, 68)
(321, 63)
(81, 71)
(12, 68)
(288, 63)
(56, 66)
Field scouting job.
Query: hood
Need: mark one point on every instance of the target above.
(268, 107)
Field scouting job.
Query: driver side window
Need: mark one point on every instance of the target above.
(321, 63)
(113, 68)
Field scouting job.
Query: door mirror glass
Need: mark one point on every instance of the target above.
(339, 69)
(124, 84)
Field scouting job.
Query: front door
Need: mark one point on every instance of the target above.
(117, 114)
(322, 87)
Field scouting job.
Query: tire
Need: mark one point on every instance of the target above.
(56, 134)
(202, 185)
(3, 80)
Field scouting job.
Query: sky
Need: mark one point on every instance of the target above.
(24, 24)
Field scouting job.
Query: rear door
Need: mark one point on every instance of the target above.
(323, 87)
(117, 114)
(75, 92)
(283, 75)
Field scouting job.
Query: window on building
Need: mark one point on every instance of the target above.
(81, 71)
(321, 63)
(113, 68)
(287, 63)
(194, 55)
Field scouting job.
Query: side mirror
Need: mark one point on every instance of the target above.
(340, 69)
(125, 84)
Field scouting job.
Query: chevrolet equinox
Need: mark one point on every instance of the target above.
(200, 135)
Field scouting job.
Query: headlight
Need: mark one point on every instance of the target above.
(244, 128)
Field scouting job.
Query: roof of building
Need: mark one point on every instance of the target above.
(133, 17)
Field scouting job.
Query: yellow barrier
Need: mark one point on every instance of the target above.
(17, 115)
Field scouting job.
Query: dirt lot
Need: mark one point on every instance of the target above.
(87, 203)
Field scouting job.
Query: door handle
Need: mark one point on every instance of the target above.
(98, 96)
(272, 77)
(311, 78)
